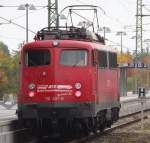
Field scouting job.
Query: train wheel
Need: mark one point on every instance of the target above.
(86, 128)
(21, 122)
(102, 127)
(93, 125)
(38, 129)
(102, 121)
(109, 123)
(115, 112)
(64, 128)
(77, 128)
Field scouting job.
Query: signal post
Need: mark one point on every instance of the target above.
(142, 100)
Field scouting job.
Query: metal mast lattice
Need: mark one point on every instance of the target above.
(139, 22)
(53, 19)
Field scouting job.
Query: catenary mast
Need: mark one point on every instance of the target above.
(53, 19)
(139, 33)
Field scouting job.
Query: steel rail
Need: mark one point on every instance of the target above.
(133, 100)
(114, 127)
(13, 132)
(132, 114)
(134, 119)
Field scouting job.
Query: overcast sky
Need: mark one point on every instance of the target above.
(119, 13)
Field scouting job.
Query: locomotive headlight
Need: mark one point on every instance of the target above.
(78, 85)
(55, 43)
(78, 93)
(31, 86)
(31, 94)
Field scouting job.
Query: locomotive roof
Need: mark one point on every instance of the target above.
(68, 33)
(69, 44)
(69, 37)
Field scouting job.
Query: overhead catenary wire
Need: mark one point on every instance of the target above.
(11, 22)
(28, 13)
(124, 5)
(81, 2)
(111, 18)
(5, 6)
(104, 13)
(116, 20)
(145, 6)
(118, 44)
(82, 16)
(7, 37)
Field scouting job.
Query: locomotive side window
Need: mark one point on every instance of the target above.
(37, 58)
(74, 57)
(112, 60)
(102, 59)
(94, 57)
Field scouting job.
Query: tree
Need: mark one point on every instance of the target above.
(124, 58)
(4, 69)
(4, 48)
(9, 71)
(14, 73)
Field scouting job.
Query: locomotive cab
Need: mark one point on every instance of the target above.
(57, 77)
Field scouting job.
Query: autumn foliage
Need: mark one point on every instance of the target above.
(8, 71)
(124, 58)
(140, 76)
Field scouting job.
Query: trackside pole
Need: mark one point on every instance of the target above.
(142, 116)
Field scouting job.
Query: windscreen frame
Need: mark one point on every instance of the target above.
(26, 62)
(75, 64)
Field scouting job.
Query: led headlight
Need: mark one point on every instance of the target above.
(31, 94)
(31, 86)
(78, 85)
(55, 43)
(78, 93)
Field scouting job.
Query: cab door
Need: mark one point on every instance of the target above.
(113, 76)
(95, 75)
(103, 77)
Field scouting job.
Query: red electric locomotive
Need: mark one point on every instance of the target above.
(68, 80)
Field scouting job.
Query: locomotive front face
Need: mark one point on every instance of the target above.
(56, 80)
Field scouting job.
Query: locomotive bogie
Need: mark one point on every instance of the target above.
(73, 126)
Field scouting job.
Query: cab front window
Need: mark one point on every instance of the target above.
(74, 57)
(37, 58)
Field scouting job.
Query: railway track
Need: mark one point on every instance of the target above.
(13, 134)
(124, 121)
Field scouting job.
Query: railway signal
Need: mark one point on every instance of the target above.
(142, 100)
